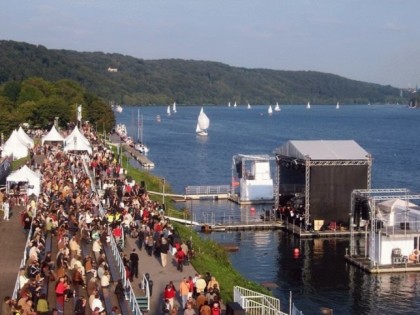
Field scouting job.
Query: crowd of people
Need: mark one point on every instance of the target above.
(199, 295)
(68, 212)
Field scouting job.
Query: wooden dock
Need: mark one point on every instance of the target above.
(141, 158)
(252, 226)
(365, 264)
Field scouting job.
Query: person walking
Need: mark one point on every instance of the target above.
(134, 264)
(164, 248)
(6, 210)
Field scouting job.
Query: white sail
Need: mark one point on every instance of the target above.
(168, 110)
(249, 106)
(337, 106)
(174, 107)
(270, 110)
(203, 123)
(234, 105)
(229, 104)
(277, 108)
(308, 106)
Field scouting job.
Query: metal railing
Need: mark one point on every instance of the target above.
(207, 190)
(129, 292)
(255, 303)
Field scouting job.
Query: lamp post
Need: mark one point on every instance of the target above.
(163, 190)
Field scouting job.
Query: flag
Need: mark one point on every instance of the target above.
(79, 113)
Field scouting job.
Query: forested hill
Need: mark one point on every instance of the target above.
(139, 81)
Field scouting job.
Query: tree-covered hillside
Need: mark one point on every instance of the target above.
(139, 81)
(38, 102)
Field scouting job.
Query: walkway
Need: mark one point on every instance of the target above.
(12, 244)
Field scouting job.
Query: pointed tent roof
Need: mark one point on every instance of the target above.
(24, 136)
(76, 141)
(25, 174)
(79, 136)
(15, 146)
(53, 136)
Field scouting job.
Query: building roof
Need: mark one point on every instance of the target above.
(324, 150)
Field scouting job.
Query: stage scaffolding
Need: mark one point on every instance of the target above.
(308, 164)
(373, 196)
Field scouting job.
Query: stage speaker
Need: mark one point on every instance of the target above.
(234, 308)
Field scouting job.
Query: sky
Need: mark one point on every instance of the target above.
(374, 41)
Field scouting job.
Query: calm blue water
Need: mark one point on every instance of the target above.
(319, 277)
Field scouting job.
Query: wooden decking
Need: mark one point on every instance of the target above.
(142, 159)
(365, 264)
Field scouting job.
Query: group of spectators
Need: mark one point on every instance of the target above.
(199, 295)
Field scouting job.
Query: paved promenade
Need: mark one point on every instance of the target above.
(12, 243)
(159, 275)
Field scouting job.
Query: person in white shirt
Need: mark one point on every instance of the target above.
(6, 210)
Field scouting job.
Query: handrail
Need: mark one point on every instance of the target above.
(22, 263)
(129, 292)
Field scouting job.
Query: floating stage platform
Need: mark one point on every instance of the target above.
(365, 264)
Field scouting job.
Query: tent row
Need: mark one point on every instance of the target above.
(19, 143)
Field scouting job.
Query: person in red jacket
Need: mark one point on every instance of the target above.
(169, 294)
(180, 256)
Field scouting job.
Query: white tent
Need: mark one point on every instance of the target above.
(25, 175)
(15, 146)
(76, 141)
(24, 136)
(393, 211)
(53, 136)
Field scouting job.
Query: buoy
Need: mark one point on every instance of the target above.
(296, 251)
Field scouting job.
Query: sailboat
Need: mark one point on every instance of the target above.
(277, 108)
(229, 104)
(174, 107)
(270, 110)
(249, 106)
(337, 106)
(234, 105)
(203, 123)
(139, 146)
(168, 110)
(308, 106)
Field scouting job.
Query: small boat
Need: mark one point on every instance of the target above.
(203, 123)
(249, 106)
(229, 104)
(174, 107)
(337, 106)
(270, 110)
(139, 145)
(117, 108)
(158, 119)
(277, 108)
(168, 110)
(308, 106)
(234, 105)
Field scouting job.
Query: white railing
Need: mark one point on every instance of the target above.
(22, 263)
(207, 190)
(129, 292)
(255, 303)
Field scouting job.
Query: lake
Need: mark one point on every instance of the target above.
(319, 277)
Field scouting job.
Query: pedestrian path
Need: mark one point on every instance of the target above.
(159, 275)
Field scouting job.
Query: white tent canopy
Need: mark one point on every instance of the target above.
(25, 175)
(24, 136)
(76, 141)
(53, 136)
(394, 210)
(15, 146)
